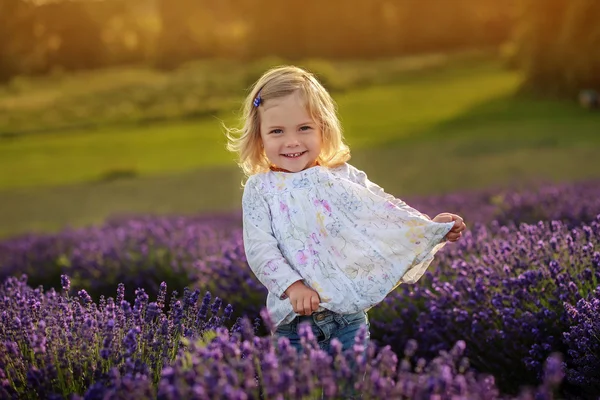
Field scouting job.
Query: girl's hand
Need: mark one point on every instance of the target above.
(456, 231)
(304, 300)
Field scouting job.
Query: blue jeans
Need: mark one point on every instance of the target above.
(326, 325)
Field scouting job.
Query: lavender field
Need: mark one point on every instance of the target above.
(166, 307)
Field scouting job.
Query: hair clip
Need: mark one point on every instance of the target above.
(257, 100)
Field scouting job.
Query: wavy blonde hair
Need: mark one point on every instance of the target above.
(279, 82)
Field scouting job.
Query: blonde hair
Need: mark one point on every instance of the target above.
(280, 82)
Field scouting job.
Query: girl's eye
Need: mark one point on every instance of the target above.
(305, 128)
(276, 131)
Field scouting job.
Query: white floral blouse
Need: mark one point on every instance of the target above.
(338, 232)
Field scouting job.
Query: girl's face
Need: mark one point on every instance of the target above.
(291, 138)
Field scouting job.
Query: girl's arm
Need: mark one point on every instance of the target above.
(430, 235)
(261, 247)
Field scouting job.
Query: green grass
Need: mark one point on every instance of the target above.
(74, 157)
(426, 131)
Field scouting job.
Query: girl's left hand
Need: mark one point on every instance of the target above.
(459, 225)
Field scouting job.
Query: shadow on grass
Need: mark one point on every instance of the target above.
(515, 120)
(511, 141)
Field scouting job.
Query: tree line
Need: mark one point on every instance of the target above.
(556, 40)
(87, 34)
(559, 45)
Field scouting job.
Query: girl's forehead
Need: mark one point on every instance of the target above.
(292, 105)
(294, 99)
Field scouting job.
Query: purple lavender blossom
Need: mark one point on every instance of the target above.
(583, 343)
(65, 283)
(38, 327)
(501, 291)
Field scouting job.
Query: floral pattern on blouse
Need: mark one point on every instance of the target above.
(338, 232)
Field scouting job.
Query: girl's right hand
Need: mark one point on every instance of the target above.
(304, 300)
(459, 225)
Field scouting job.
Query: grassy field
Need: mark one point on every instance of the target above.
(442, 128)
(371, 114)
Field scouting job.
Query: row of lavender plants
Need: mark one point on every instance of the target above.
(513, 293)
(207, 251)
(57, 346)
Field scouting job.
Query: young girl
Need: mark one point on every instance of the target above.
(327, 243)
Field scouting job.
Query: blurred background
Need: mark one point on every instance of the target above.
(115, 107)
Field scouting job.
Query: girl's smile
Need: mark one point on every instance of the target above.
(294, 155)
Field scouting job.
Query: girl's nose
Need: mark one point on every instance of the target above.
(292, 142)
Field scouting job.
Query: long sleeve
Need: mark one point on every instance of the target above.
(262, 251)
(358, 176)
(427, 236)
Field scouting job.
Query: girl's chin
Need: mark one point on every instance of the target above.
(295, 165)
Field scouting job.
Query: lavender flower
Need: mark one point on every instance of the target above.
(65, 283)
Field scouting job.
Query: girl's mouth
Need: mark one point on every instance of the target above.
(294, 155)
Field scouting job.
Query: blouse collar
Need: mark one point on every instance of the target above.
(275, 168)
